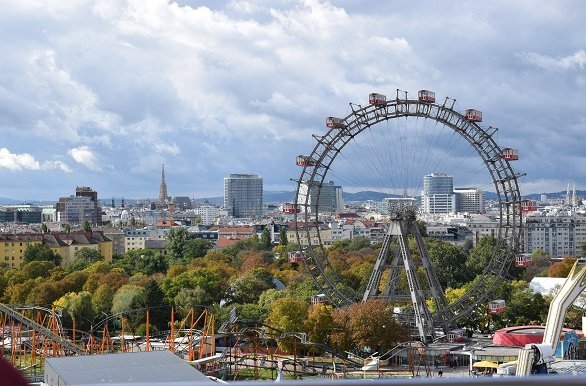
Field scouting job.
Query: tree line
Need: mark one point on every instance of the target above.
(255, 278)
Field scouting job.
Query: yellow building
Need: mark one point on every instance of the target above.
(13, 246)
(325, 234)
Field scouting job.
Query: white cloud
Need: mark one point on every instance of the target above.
(247, 82)
(25, 161)
(13, 162)
(166, 148)
(575, 61)
(83, 155)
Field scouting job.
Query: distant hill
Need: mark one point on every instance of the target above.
(289, 196)
(9, 201)
(281, 196)
(367, 195)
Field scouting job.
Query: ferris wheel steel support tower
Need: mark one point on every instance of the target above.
(402, 224)
(328, 146)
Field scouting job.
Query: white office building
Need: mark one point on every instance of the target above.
(207, 213)
(438, 194)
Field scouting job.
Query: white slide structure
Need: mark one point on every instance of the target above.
(540, 354)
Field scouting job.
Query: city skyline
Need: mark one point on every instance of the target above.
(101, 93)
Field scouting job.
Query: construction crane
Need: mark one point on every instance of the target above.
(533, 358)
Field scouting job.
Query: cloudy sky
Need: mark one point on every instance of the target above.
(102, 92)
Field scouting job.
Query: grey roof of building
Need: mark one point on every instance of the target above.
(52, 240)
(496, 351)
(148, 368)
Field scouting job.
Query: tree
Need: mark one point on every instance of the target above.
(32, 270)
(283, 236)
(561, 268)
(195, 248)
(266, 299)
(248, 287)
(78, 306)
(128, 297)
(88, 254)
(540, 263)
(319, 323)
(86, 225)
(373, 328)
(36, 252)
(212, 281)
(67, 228)
(188, 298)
(146, 261)
(265, 238)
(43, 294)
(449, 264)
(17, 293)
(481, 255)
(84, 257)
(176, 243)
(102, 299)
(524, 306)
(288, 315)
(155, 300)
(44, 228)
(73, 282)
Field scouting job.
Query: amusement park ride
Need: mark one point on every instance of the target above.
(395, 260)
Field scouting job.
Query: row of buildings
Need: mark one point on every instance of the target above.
(452, 214)
(66, 245)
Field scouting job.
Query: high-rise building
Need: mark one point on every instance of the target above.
(327, 199)
(469, 200)
(73, 210)
(243, 195)
(163, 197)
(86, 191)
(438, 194)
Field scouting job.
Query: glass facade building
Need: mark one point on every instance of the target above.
(243, 195)
(438, 194)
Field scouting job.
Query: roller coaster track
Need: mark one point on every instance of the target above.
(67, 345)
(255, 324)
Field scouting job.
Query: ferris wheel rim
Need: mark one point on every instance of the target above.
(331, 144)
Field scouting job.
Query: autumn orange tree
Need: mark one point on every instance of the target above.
(367, 327)
(561, 268)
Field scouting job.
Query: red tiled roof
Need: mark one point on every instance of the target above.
(224, 242)
(347, 215)
(231, 230)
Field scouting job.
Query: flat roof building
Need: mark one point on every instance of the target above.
(160, 367)
(243, 195)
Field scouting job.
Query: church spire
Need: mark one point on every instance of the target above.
(163, 188)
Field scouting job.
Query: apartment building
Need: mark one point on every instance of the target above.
(13, 245)
(559, 233)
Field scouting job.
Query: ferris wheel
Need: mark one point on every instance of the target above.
(393, 146)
